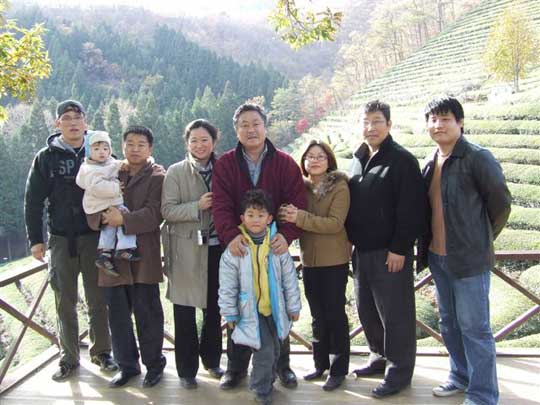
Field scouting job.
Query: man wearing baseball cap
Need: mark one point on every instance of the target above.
(72, 243)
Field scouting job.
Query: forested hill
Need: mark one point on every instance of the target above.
(159, 79)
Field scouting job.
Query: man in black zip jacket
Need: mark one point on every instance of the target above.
(72, 244)
(385, 218)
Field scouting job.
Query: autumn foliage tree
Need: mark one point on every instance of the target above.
(23, 59)
(512, 46)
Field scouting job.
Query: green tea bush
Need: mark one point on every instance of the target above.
(513, 239)
(524, 174)
(506, 304)
(527, 195)
(426, 313)
(524, 218)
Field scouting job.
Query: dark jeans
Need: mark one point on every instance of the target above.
(186, 342)
(385, 304)
(141, 300)
(325, 291)
(238, 356)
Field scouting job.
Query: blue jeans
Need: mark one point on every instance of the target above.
(465, 328)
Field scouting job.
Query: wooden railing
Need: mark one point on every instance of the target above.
(16, 275)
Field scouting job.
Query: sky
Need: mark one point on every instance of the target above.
(236, 9)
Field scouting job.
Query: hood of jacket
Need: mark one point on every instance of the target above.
(327, 184)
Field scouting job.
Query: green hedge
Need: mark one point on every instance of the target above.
(512, 239)
(525, 194)
(426, 313)
(506, 304)
(504, 112)
(502, 127)
(525, 218)
(524, 174)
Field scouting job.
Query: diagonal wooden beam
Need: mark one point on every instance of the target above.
(13, 349)
(430, 331)
(300, 339)
(26, 321)
(516, 323)
(533, 297)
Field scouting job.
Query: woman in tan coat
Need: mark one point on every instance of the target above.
(325, 258)
(192, 254)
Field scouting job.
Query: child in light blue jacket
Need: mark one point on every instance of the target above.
(258, 293)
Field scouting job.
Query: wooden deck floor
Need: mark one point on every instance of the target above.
(519, 383)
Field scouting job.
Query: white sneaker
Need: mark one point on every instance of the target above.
(447, 389)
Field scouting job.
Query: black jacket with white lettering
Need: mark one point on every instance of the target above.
(51, 183)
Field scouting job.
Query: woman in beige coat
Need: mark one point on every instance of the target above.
(325, 258)
(192, 254)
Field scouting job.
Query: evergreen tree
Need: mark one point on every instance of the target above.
(114, 127)
(98, 122)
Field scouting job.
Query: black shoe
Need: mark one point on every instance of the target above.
(189, 383)
(64, 371)
(333, 382)
(105, 362)
(314, 375)
(152, 377)
(122, 377)
(375, 368)
(384, 390)
(287, 378)
(216, 372)
(231, 380)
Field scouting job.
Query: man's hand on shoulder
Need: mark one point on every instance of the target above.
(237, 246)
(279, 244)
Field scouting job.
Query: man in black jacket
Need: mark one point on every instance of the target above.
(72, 244)
(470, 204)
(385, 218)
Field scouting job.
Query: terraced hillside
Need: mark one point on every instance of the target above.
(451, 63)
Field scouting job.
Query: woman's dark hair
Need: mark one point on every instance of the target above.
(139, 130)
(257, 199)
(331, 158)
(201, 123)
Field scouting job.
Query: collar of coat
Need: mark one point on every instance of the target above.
(150, 168)
(460, 149)
(271, 150)
(386, 145)
(327, 184)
